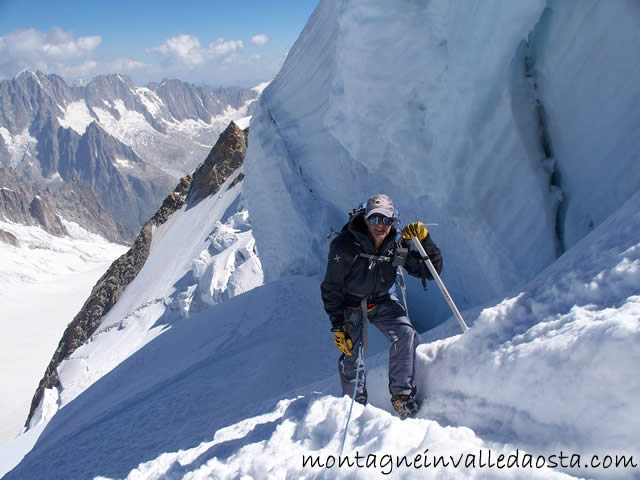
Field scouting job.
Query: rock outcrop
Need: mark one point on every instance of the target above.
(77, 203)
(10, 238)
(43, 210)
(35, 204)
(225, 158)
(16, 197)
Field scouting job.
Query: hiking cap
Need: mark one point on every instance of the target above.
(379, 203)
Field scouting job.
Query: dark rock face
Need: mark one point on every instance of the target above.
(28, 204)
(129, 195)
(43, 210)
(78, 203)
(223, 161)
(225, 158)
(15, 199)
(33, 204)
(29, 96)
(173, 202)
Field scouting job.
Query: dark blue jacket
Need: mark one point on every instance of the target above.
(350, 277)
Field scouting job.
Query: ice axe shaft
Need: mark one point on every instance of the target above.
(427, 261)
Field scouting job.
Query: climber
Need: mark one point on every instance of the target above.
(361, 271)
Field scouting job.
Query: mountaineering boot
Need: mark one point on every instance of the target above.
(362, 399)
(406, 405)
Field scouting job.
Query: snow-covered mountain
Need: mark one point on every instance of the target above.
(514, 132)
(129, 144)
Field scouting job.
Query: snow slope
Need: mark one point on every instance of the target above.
(203, 255)
(554, 365)
(548, 370)
(203, 373)
(59, 273)
(240, 390)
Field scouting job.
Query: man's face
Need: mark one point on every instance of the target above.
(379, 230)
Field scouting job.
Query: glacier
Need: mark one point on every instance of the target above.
(510, 126)
(59, 272)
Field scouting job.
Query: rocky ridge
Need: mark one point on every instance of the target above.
(225, 158)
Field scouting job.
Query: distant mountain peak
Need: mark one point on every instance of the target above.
(24, 72)
(112, 78)
(129, 144)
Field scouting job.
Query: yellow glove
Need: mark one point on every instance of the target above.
(343, 342)
(415, 229)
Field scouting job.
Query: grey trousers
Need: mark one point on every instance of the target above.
(391, 319)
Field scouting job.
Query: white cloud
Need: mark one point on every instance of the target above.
(124, 65)
(47, 51)
(260, 39)
(186, 49)
(76, 59)
(86, 68)
(57, 42)
(89, 43)
(222, 47)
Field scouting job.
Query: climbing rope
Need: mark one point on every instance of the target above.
(355, 389)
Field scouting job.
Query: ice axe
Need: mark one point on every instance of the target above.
(427, 261)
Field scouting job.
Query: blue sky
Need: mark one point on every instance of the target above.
(212, 42)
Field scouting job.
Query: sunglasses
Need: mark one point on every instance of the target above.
(376, 219)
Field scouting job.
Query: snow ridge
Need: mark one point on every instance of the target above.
(221, 264)
(553, 363)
